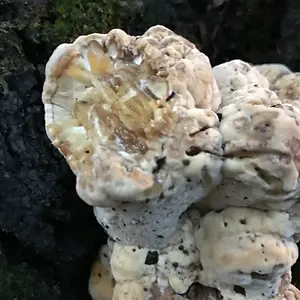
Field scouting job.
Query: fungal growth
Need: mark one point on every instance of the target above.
(261, 136)
(246, 251)
(134, 118)
(193, 171)
(284, 82)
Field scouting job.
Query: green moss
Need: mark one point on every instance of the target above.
(42, 26)
(72, 18)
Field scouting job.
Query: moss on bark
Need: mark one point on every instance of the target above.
(45, 25)
(71, 18)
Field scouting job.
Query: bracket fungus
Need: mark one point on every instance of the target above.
(134, 118)
(193, 171)
(261, 138)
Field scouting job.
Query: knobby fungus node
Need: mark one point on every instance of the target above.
(193, 171)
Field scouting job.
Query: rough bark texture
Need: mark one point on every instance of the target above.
(42, 220)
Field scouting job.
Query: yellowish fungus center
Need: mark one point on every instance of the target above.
(124, 102)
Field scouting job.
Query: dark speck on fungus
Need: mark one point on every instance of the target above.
(200, 267)
(198, 131)
(220, 116)
(243, 221)
(193, 151)
(256, 275)
(171, 96)
(186, 162)
(239, 290)
(152, 258)
(159, 165)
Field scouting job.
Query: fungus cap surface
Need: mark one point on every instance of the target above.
(112, 100)
(261, 138)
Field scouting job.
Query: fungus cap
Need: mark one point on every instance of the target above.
(261, 138)
(111, 100)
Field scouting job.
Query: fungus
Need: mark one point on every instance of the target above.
(260, 140)
(273, 72)
(125, 112)
(101, 283)
(253, 255)
(291, 293)
(191, 188)
(171, 269)
(128, 291)
(284, 82)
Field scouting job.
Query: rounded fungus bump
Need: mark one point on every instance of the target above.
(273, 72)
(101, 282)
(246, 247)
(291, 293)
(284, 82)
(260, 140)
